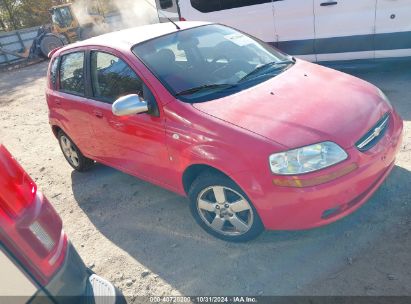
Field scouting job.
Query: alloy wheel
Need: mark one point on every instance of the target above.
(69, 151)
(225, 210)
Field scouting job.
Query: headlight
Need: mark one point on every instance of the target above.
(307, 159)
(384, 97)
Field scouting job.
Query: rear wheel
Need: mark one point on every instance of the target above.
(73, 155)
(223, 209)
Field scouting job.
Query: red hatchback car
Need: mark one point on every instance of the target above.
(255, 138)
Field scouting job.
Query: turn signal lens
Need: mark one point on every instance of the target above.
(299, 182)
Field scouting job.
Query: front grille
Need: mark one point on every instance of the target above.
(374, 135)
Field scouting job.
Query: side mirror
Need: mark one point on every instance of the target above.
(128, 105)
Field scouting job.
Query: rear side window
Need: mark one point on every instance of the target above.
(207, 6)
(112, 78)
(72, 73)
(53, 73)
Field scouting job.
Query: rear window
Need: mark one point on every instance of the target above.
(207, 6)
(72, 73)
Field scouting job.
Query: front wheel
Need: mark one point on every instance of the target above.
(222, 209)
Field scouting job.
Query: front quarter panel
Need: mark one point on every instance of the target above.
(195, 138)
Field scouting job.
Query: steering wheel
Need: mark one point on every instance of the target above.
(221, 56)
(223, 67)
(230, 69)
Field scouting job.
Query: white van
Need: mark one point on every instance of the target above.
(315, 30)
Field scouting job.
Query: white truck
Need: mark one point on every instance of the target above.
(315, 30)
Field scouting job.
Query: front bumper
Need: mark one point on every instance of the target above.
(287, 208)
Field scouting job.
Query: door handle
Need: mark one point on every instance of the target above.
(98, 113)
(58, 101)
(329, 3)
(117, 124)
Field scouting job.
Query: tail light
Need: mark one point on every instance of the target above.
(17, 188)
(29, 226)
(182, 19)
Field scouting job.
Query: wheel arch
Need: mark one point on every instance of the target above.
(56, 129)
(195, 170)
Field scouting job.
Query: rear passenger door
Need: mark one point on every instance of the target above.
(69, 101)
(134, 143)
(344, 29)
(254, 17)
(294, 27)
(393, 28)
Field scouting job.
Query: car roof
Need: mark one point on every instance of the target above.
(127, 38)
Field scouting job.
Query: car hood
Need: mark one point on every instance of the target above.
(306, 104)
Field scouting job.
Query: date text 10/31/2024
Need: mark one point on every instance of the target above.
(205, 299)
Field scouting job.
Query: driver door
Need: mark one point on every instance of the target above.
(136, 143)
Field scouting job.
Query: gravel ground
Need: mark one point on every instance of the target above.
(144, 240)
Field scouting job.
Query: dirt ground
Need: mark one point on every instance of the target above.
(144, 240)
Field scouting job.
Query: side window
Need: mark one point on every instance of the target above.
(53, 73)
(72, 73)
(112, 78)
(207, 6)
(226, 4)
(166, 4)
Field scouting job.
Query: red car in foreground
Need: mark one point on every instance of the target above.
(255, 138)
(38, 264)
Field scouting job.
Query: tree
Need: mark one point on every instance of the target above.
(35, 12)
(2, 24)
(9, 11)
(16, 14)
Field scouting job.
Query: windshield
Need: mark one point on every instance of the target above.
(209, 62)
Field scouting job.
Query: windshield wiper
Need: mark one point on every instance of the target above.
(276, 64)
(205, 87)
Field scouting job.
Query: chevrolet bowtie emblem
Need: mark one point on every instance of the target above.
(366, 142)
(377, 132)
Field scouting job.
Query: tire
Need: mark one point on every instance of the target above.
(72, 153)
(211, 203)
(48, 43)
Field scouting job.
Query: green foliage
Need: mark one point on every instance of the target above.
(9, 9)
(17, 14)
(35, 12)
